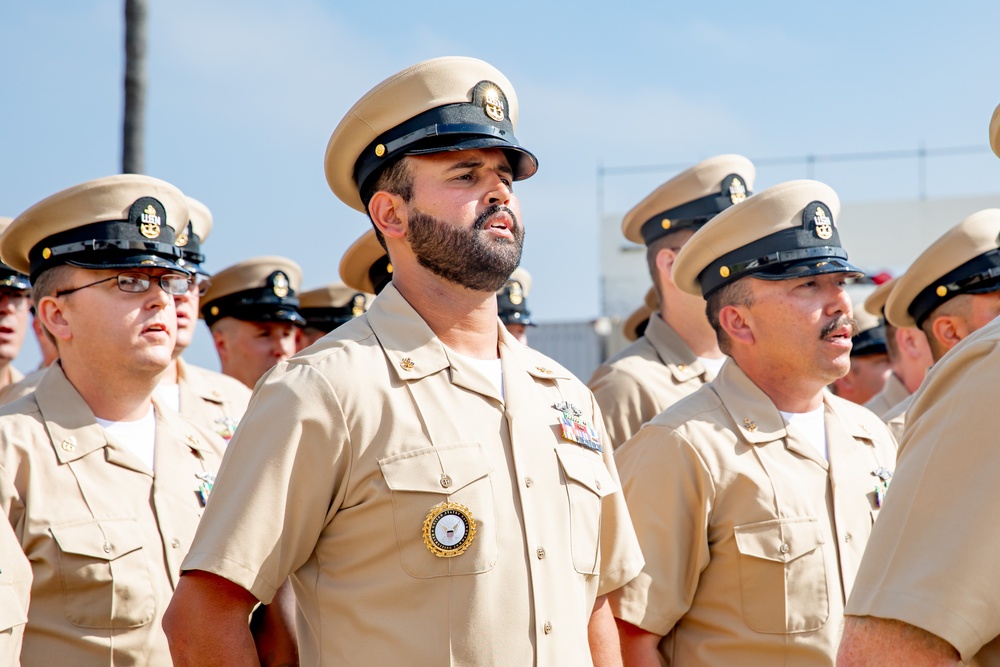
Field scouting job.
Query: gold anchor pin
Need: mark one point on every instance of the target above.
(406, 364)
(542, 369)
(69, 444)
(750, 425)
(192, 439)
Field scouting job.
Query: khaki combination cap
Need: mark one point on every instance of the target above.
(691, 198)
(365, 266)
(445, 104)
(965, 260)
(326, 308)
(636, 322)
(787, 231)
(262, 289)
(10, 278)
(194, 234)
(512, 299)
(995, 132)
(875, 303)
(115, 222)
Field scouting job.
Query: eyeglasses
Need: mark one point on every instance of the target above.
(19, 299)
(174, 284)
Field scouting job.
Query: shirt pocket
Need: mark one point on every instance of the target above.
(783, 575)
(419, 483)
(12, 612)
(105, 578)
(587, 483)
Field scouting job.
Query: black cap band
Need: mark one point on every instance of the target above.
(980, 275)
(380, 273)
(694, 214)
(868, 342)
(260, 304)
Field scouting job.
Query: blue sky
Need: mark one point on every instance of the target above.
(243, 97)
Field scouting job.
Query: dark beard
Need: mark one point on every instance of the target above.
(469, 257)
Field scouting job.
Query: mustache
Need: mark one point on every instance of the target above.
(841, 321)
(483, 220)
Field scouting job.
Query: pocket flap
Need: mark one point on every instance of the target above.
(779, 540)
(12, 611)
(436, 469)
(587, 469)
(106, 540)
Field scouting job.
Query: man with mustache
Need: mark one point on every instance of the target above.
(753, 498)
(102, 484)
(437, 493)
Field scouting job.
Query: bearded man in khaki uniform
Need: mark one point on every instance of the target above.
(437, 493)
(928, 586)
(678, 351)
(103, 486)
(950, 291)
(753, 498)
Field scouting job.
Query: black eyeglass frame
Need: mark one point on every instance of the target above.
(144, 280)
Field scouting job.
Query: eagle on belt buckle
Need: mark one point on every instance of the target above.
(449, 530)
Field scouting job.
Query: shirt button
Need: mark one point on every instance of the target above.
(540, 553)
(847, 537)
(784, 548)
(107, 547)
(445, 481)
(528, 481)
(175, 543)
(548, 627)
(598, 485)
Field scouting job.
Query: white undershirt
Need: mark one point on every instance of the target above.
(812, 426)
(713, 365)
(138, 436)
(170, 395)
(488, 368)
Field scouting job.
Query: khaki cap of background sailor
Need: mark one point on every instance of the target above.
(875, 303)
(445, 104)
(635, 323)
(965, 260)
(366, 266)
(8, 276)
(262, 289)
(870, 339)
(115, 222)
(194, 234)
(326, 308)
(691, 198)
(787, 231)
(995, 132)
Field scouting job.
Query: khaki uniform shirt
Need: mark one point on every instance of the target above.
(22, 387)
(932, 559)
(15, 586)
(646, 378)
(895, 418)
(892, 393)
(346, 451)
(751, 538)
(211, 400)
(105, 535)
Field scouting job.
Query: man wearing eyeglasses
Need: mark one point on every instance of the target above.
(211, 399)
(15, 300)
(102, 485)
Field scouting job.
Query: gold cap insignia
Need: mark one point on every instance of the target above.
(493, 103)
(149, 222)
(665, 223)
(449, 530)
(406, 364)
(214, 310)
(380, 150)
(941, 291)
(824, 226)
(737, 190)
(724, 271)
(359, 305)
(279, 285)
(516, 293)
(388, 267)
(46, 253)
(750, 425)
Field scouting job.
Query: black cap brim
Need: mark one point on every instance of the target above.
(813, 266)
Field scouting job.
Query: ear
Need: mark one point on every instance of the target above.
(949, 330)
(50, 313)
(907, 340)
(388, 212)
(219, 338)
(737, 322)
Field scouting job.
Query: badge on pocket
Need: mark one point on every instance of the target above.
(449, 530)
